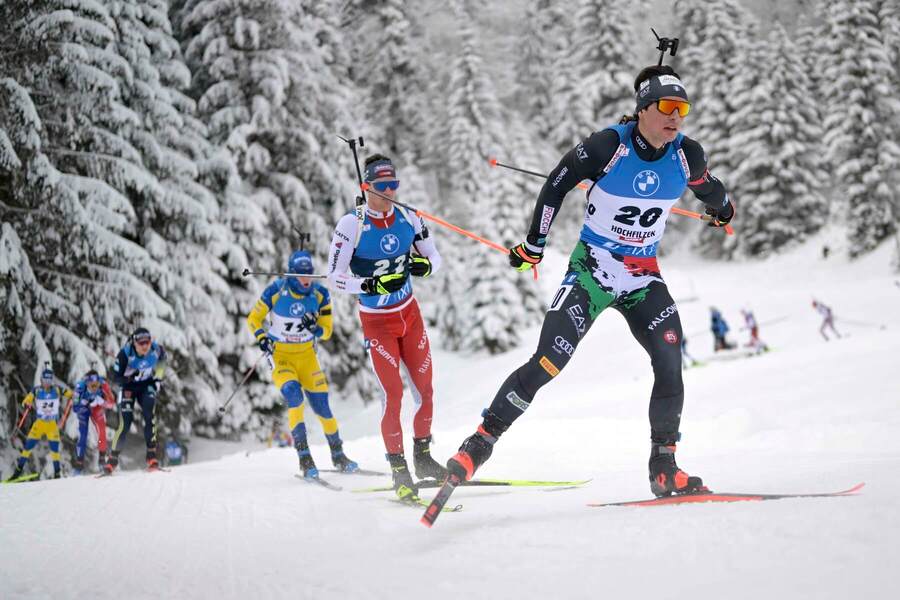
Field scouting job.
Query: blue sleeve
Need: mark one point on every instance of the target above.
(118, 373)
(270, 291)
(324, 296)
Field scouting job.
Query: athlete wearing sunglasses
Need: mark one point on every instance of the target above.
(383, 186)
(138, 372)
(639, 169)
(373, 257)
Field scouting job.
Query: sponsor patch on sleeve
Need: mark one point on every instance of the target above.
(549, 366)
(546, 219)
(516, 400)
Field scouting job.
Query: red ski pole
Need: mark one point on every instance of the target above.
(22, 420)
(65, 414)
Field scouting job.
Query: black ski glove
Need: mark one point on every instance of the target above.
(522, 259)
(721, 216)
(309, 321)
(265, 344)
(384, 284)
(420, 266)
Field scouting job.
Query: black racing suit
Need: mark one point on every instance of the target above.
(139, 380)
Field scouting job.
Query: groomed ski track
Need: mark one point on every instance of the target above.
(809, 417)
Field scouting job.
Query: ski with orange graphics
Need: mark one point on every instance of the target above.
(708, 496)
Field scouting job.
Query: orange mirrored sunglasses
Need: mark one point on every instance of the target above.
(667, 107)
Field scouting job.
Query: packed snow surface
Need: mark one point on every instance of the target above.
(809, 416)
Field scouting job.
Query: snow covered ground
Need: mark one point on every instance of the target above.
(808, 416)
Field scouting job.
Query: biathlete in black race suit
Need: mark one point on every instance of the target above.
(640, 168)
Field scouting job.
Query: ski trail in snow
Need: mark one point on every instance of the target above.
(809, 416)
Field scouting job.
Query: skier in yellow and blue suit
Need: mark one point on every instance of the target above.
(299, 312)
(45, 399)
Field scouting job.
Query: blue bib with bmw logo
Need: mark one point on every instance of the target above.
(628, 207)
(381, 251)
(286, 314)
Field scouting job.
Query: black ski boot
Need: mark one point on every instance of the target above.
(403, 483)
(423, 462)
(112, 462)
(17, 472)
(340, 460)
(152, 461)
(307, 464)
(477, 448)
(101, 460)
(77, 466)
(665, 476)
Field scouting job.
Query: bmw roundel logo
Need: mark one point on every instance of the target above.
(646, 183)
(390, 243)
(297, 309)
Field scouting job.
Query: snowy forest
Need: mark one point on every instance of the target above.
(150, 150)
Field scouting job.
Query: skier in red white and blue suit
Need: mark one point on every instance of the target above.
(92, 398)
(373, 254)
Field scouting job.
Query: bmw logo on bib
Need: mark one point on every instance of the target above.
(297, 309)
(646, 183)
(390, 243)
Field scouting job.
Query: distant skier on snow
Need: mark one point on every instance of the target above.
(639, 168)
(827, 319)
(685, 356)
(374, 257)
(299, 313)
(45, 400)
(752, 326)
(719, 327)
(92, 398)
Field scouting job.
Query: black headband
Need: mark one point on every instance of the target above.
(659, 86)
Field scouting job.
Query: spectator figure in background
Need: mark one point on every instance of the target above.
(176, 454)
(755, 343)
(719, 329)
(687, 357)
(827, 319)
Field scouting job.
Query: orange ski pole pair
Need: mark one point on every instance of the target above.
(421, 213)
(584, 186)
